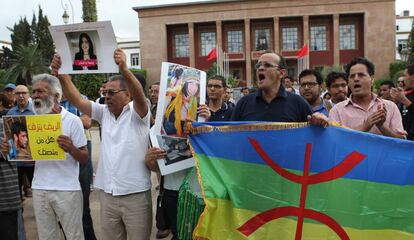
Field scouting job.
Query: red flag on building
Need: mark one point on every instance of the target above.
(212, 54)
(304, 51)
(303, 58)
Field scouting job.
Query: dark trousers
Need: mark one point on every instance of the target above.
(8, 225)
(23, 172)
(84, 179)
(170, 205)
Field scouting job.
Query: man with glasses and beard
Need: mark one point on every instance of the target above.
(310, 88)
(122, 176)
(272, 102)
(56, 190)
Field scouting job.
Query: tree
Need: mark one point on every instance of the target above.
(21, 34)
(89, 11)
(5, 58)
(410, 45)
(42, 37)
(26, 62)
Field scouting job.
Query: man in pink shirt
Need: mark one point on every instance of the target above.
(364, 111)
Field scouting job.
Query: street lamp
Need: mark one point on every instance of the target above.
(65, 15)
(405, 53)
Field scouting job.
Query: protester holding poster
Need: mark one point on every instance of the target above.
(122, 176)
(57, 181)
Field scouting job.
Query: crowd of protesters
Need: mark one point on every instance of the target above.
(61, 189)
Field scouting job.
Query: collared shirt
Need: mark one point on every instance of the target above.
(408, 115)
(223, 114)
(62, 175)
(286, 107)
(353, 116)
(28, 110)
(321, 108)
(121, 167)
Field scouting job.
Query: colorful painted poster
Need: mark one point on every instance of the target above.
(33, 138)
(182, 91)
(291, 181)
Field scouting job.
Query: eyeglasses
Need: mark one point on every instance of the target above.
(308, 85)
(111, 92)
(214, 86)
(20, 93)
(265, 65)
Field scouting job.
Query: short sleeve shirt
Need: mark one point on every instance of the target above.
(62, 175)
(286, 107)
(125, 140)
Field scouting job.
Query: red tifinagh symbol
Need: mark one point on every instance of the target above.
(301, 212)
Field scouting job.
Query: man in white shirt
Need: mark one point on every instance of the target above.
(122, 176)
(57, 195)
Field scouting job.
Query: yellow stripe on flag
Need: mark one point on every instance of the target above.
(220, 221)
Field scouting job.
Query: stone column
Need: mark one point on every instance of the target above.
(336, 39)
(276, 34)
(219, 34)
(248, 52)
(191, 41)
(305, 30)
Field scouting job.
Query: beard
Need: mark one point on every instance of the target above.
(43, 106)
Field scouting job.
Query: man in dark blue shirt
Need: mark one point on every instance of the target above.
(220, 110)
(271, 102)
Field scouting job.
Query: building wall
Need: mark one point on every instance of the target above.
(130, 47)
(373, 17)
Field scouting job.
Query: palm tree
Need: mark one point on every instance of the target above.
(26, 62)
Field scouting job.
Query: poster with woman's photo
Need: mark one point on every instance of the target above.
(85, 47)
(182, 91)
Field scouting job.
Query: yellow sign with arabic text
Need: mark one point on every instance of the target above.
(43, 131)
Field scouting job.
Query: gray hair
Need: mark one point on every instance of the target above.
(53, 83)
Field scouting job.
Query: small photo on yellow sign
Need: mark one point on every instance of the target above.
(33, 138)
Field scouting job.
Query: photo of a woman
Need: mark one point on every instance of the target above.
(85, 59)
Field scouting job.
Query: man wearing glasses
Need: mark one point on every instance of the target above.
(310, 88)
(122, 176)
(271, 102)
(220, 110)
(23, 107)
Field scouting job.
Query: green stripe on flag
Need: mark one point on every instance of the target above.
(352, 203)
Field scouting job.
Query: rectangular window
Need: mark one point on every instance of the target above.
(318, 38)
(208, 42)
(135, 59)
(181, 45)
(262, 39)
(347, 37)
(290, 38)
(402, 45)
(235, 41)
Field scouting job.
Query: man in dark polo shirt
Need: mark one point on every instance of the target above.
(220, 110)
(272, 102)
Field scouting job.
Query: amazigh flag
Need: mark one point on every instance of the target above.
(292, 181)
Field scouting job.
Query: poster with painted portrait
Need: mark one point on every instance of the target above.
(85, 47)
(182, 91)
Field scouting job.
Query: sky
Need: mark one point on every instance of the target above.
(124, 19)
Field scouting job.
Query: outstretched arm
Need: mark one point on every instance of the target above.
(134, 86)
(69, 89)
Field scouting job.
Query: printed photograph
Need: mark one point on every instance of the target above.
(177, 148)
(83, 49)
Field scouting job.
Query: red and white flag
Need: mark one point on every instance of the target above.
(212, 54)
(303, 58)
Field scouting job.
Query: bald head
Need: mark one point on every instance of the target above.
(22, 96)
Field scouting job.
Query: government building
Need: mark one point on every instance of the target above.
(337, 31)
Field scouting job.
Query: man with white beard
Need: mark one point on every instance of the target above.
(57, 193)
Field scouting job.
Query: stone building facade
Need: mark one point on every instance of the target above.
(337, 31)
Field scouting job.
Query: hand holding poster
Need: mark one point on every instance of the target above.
(33, 137)
(85, 47)
(182, 91)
